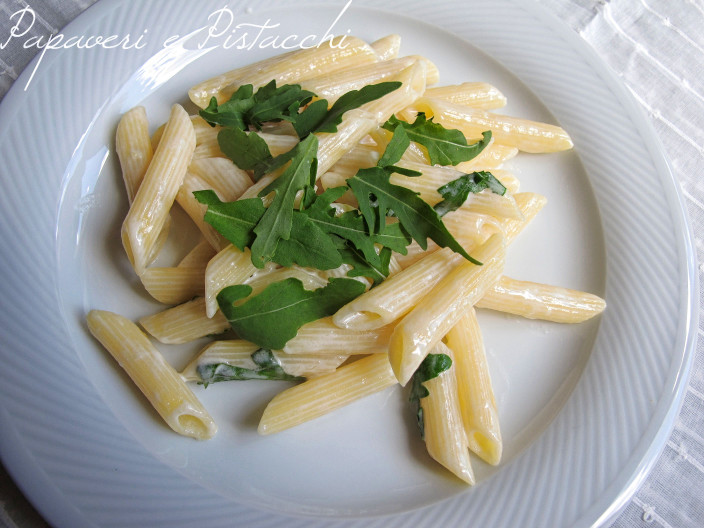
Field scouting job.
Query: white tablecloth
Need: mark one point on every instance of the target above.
(657, 49)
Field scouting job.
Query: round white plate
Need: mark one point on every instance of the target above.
(585, 409)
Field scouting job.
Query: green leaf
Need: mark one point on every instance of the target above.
(231, 113)
(455, 193)
(349, 226)
(361, 267)
(377, 196)
(306, 121)
(395, 148)
(246, 108)
(276, 104)
(268, 368)
(431, 367)
(247, 150)
(308, 246)
(317, 121)
(445, 146)
(276, 222)
(233, 220)
(274, 316)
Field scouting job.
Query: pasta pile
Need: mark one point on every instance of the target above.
(425, 308)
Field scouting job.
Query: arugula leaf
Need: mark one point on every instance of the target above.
(276, 222)
(247, 108)
(377, 196)
(272, 317)
(268, 368)
(349, 226)
(247, 150)
(360, 266)
(313, 119)
(308, 246)
(431, 367)
(233, 220)
(455, 193)
(277, 104)
(445, 146)
(396, 147)
(230, 113)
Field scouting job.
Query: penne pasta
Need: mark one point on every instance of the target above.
(238, 353)
(429, 320)
(474, 94)
(229, 266)
(526, 135)
(476, 394)
(173, 285)
(158, 381)
(341, 52)
(332, 85)
(134, 148)
(444, 435)
(324, 337)
(156, 194)
(541, 301)
(184, 323)
(387, 47)
(321, 395)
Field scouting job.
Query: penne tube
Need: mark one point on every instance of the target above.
(184, 323)
(476, 394)
(311, 279)
(360, 157)
(196, 210)
(541, 301)
(444, 434)
(436, 313)
(356, 124)
(223, 176)
(530, 205)
(475, 94)
(434, 177)
(333, 85)
(134, 148)
(323, 394)
(387, 47)
(157, 380)
(526, 135)
(492, 157)
(332, 146)
(394, 297)
(324, 337)
(199, 256)
(413, 79)
(293, 67)
(173, 285)
(200, 127)
(229, 266)
(238, 353)
(156, 194)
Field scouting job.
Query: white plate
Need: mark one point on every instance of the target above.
(585, 409)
